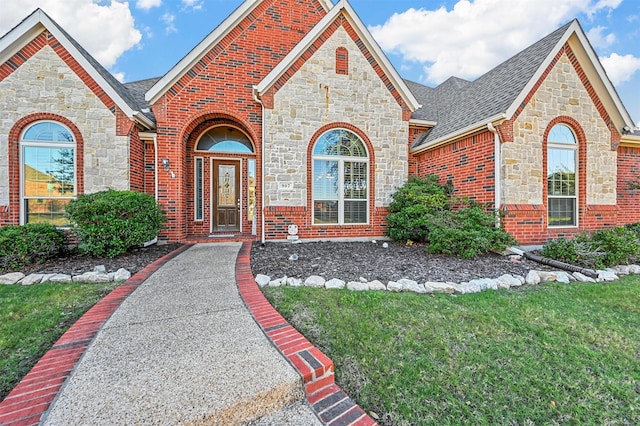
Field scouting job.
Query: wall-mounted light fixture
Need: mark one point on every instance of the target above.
(165, 164)
(626, 130)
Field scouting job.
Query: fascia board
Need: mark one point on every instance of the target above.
(370, 43)
(422, 123)
(186, 63)
(472, 128)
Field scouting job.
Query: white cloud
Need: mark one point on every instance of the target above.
(600, 40)
(106, 30)
(620, 68)
(169, 23)
(475, 36)
(193, 4)
(119, 76)
(148, 4)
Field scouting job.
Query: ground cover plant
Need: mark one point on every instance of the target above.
(551, 354)
(31, 243)
(32, 318)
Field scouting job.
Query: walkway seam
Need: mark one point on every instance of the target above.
(32, 397)
(315, 368)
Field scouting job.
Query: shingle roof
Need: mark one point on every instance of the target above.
(138, 89)
(459, 103)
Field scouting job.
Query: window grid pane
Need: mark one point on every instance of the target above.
(562, 212)
(355, 212)
(325, 212)
(42, 210)
(355, 180)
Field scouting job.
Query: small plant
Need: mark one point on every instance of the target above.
(31, 243)
(110, 222)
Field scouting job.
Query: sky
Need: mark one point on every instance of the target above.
(427, 41)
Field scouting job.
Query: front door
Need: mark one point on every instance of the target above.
(226, 187)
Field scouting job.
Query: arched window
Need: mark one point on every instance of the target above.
(224, 139)
(340, 179)
(562, 172)
(48, 172)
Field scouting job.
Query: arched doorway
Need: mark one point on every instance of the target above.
(224, 168)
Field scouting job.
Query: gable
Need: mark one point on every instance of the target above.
(341, 16)
(259, 33)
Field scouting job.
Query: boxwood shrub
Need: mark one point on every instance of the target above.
(111, 222)
(31, 243)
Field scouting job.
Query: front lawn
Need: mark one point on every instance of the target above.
(552, 354)
(33, 317)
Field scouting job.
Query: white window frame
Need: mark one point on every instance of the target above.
(43, 144)
(340, 159)
(574, 149)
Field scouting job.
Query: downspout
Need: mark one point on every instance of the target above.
(256, 98)
(497, 170)
(155, 165)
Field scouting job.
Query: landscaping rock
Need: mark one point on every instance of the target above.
(45, 278)
(634, 269)
(562, 277)
(32, 279)
(583, 278)
(508, 281)
(91, 277)
(278, 282)
(121, 275)
(11, 278)
(406, 283)
(376, 285)
(60, 278)
(485, 284)
(468, 288)
(394, 286)
(532, 278)
(357, 286)
(100, 268)
(547, 277)
(437, 287)
(294, 282)
(314, 281)
(335, 284)
(606, 275)
(262, 280)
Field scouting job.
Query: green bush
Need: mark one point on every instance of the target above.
(470, 233)
(31, 243)
(599, 249)
(425, 211)
(111, 222)
(414, 207)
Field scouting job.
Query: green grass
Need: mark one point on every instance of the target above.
(552, 354)
(33, 317)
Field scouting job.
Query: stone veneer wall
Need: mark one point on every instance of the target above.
(561, 94)
(317, 96)
(45, 83)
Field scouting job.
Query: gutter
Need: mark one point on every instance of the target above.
(472, 128)
(256, 97)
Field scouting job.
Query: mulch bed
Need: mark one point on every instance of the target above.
(349, 261)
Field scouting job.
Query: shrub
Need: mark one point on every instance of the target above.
(470, 232)
(110, 222)
(31, 243)
(425, 211)
(599, 249)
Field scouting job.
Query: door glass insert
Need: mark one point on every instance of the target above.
(226, 188)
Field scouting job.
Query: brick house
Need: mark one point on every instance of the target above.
(290, 113)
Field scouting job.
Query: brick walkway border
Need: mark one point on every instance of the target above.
(332, 405)
(31, 398)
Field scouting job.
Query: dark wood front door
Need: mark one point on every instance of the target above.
(226, 187)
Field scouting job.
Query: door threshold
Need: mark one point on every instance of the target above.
(222, 235)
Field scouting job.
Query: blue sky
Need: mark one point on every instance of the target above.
(426, 40)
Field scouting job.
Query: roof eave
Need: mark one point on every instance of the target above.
(422, 123)
(354, 20)
(470, 129)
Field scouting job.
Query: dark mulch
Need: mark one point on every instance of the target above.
(349, 261)
(76, 263)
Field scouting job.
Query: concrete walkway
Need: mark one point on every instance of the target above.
(190, 339)
(183, 349)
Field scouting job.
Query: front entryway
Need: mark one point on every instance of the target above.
(226, 196)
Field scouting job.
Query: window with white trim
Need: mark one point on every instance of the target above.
(48, 173)
(562, 172)
(340, 179)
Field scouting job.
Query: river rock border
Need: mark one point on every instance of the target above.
(506, 281)
(98, 275)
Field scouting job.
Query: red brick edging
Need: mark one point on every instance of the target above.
(31, 398)
(332, 405)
